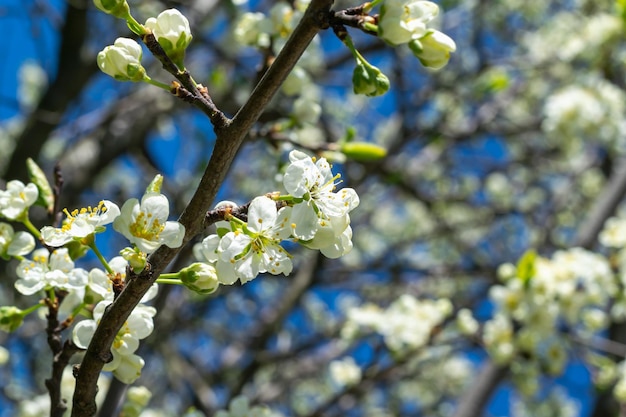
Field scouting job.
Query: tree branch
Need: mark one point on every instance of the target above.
(229, 139)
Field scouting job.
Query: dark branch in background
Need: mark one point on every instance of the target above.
(476, 398)
(124, 128)
(62, 353)
(230, 136)
(74, 70)
(272, 321)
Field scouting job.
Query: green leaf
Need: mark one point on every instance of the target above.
(526, 266)
(37, 177)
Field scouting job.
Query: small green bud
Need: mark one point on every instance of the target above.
(136, 258)
(369, 80)
(117, 8)
(11, 318)
(200, 277)
(363, 151)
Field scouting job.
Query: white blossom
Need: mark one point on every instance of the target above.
(49, 270)
(402, 21)
(613, 235)
(17, 198)
(171, 29)
(14, 244)
(122, 60)
(80, 223)
(244, 253)
(393, 324)
(314, 182)
(145, 223)
(126, 366)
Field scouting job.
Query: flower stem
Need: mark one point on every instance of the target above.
(51, 295)
(172, 279)
(31, 309)
(31, 227)
(104, 262)
(357, 55)
(76, 311)
(156, 83)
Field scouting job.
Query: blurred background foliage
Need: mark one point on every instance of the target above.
(518, 143)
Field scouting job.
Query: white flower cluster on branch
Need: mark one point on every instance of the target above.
(314, 214)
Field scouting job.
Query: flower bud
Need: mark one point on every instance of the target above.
(136, 258)
(122, 60)
(11, 318)
(171, 29)
(369, 80)
(363, 151)
(117, 8)
(433, 50)
(200, 277)
(37, 177)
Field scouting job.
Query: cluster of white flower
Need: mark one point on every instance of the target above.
(143, 224)
(590, 111)
(314, 215)
(540, 299)
(269, 32)
(125, 365)
(406, 324)
(122, 60)
(613, 236)
(571, 35)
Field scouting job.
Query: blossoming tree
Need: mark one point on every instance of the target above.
(307, 208)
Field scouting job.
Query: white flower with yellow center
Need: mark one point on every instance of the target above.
(126, 366)
(254, 248)
(80, 223)
(49, 270)
(313, 181)
(145, 224)
(17, 198)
